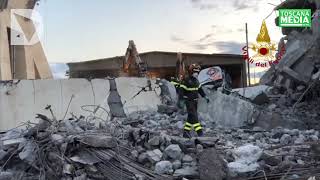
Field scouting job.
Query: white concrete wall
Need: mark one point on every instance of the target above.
(128, 89)
(21, 102)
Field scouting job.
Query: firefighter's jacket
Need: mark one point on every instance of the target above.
(189, 88)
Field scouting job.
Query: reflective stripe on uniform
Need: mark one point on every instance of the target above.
(196, 124)
(174, 83)
(185, 87)
(188, 124)
(187, 128)
(189, 89)
(198, 128)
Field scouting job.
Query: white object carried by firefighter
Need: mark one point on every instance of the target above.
(215, 77)
(210, 74)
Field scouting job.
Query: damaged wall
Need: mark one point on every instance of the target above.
(21, 101)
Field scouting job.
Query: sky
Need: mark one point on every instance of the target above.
(81, 30)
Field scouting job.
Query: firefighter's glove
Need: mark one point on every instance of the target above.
(207, 99)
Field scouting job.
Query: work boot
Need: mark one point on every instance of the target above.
(200, 133)
(186, 134)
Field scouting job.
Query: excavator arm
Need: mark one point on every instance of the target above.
(132, 59)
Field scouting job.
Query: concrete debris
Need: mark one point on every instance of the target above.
(187, 172)
(246, 158)
(212, 166)
(154, 156)
(54, 152)
(173, 152)
(98, 141)
(154, 149)
(299, 63)
(164, 167)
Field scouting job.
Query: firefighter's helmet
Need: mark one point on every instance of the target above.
(194, 68)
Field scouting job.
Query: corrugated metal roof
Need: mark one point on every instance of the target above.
(158, 59)
(165, 53)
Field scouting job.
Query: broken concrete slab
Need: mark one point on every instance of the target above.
(251, 92)
(98, 141)
(28, 153)
(225, 110)
(85, 158)
(297, 64)
(246, 158)
(10, 142)
(212, 166)
(187, 172)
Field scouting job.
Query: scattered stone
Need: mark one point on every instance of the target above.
(260, 99)
(164, 167)
(187, 159)
(211, 166)
(270, 159)
(314, 138)
(176, 164)
(173, 152)
(155, 141)
(134, 154)
(143, 157)
(285, 139)
(98, 141)
(11, 142)
(246, 158)
(186, 172)
(300, 139)
(154, 156)
(271, 107)
(27, 154)
(6, 175)
(57, 138)
(68, 169)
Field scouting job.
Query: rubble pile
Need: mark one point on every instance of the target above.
(244, 152)
(148, 145)
(70, 149)
(295, 79)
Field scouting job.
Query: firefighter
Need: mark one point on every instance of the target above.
(190, 90)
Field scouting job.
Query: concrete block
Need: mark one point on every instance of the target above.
(82, 93)
(225, 110)
(129, 87)
(251, 92)
(16, 104)
(101, 89)
(48, 92)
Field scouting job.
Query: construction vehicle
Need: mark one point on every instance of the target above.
(133, 65)
(180, 67)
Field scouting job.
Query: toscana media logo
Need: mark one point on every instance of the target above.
(295, 17)
(265, 50)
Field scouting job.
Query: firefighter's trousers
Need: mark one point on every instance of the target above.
(192, 121)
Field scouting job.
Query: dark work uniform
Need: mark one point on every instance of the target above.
(191, 90)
